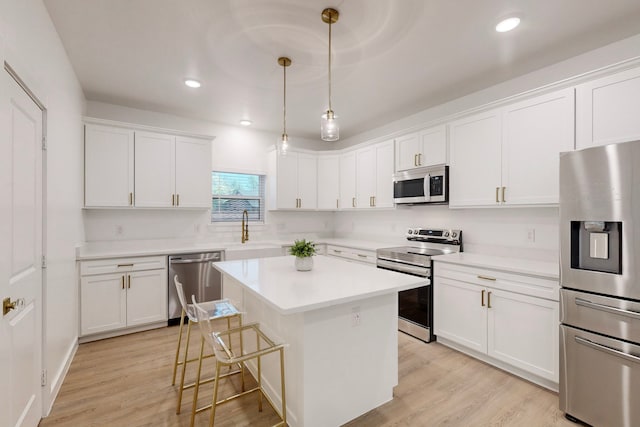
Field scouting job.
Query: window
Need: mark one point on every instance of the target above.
(233, 193)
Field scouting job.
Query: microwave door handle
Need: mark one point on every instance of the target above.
(427, 190)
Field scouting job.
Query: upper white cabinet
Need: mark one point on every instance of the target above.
(293, 181)
(168, 171)
(374, 170)
(108, 159)
(328, 182)
(348, 180)
(510, 155)
(425, 148)
(607, 110)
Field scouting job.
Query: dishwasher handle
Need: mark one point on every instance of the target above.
(195, 261)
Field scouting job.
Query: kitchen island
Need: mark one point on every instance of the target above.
(340, 321)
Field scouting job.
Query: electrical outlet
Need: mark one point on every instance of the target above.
(531, 235)
(355, 316)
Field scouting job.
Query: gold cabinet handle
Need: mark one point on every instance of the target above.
(130, 199)
(122, 282)
(493, 279)
(503, 191)
(125, 265)
(337, 251)
(353, 202)
(374, 201)
(497, 194)
(419, 159)
(362, 255)
(128, 281)
(482, 298)
(337, 203)
(415, 160)
(177, 200)
(489, 299)
(173, 200)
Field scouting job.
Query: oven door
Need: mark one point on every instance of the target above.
(410, 189)
(415, 314)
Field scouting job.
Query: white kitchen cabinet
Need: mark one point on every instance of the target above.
(475, 160)
(122, 295)
(510, 320)
(607, 110)
(328, 182)
(172, 171)
(348, 180)
(193, 172)
(427, 147)
(134, 168)
(374, 170)
(109, 166)
(294, 181)
(352, 254)
(510, 156)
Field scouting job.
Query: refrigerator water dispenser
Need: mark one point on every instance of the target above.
(596, 246)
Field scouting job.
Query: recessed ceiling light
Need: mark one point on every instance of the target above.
(245, 122)
(192, 83)
(508, 24)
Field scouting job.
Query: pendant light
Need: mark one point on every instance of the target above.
(283, 143)
(329, 129)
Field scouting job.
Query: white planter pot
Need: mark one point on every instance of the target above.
(304, 264)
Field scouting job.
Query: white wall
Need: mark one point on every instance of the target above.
(234, 149)
(33, 49)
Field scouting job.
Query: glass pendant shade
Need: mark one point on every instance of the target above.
(329, 129)
(283, 144)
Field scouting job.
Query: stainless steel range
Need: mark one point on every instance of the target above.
(415, 306)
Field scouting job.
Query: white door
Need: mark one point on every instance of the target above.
(475, 160)
(21, 217)
(146, 297)
(348, 181)
(384, 175)
(193, 173)
(307, 181)
(365, 177)
(535, 131)
(328, 182)
(103, 299)
(155, 170)
(460, 313)
(108, 166)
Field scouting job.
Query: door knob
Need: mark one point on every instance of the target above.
(7, 305)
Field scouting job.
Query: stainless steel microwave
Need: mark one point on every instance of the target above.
(423, 185)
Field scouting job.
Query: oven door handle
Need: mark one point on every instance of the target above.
(399, 267)
(607, 349)
(427, 187)
(607, 308)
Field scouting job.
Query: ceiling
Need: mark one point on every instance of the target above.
(391, 58)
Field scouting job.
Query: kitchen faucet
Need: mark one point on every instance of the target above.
(245, 226)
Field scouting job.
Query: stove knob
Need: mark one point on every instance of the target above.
(410, 231)
(454, 234)
(446, 234)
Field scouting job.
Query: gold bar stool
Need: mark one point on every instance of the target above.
(218, 309)
(224, 357)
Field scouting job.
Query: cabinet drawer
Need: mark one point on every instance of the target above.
(512, 282)
(119, 265)
(368, 257)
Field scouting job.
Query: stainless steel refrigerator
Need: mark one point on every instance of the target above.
(600, 279)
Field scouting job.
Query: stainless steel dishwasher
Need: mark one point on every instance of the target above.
(198, 278)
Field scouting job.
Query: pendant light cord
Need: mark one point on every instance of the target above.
(284, 102)
(330, 19)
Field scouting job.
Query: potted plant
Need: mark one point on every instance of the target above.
(303, 250)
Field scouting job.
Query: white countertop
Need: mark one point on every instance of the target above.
(134, 248)
(332, 281)
(549, 270)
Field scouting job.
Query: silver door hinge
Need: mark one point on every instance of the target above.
(43, 378)
(44, 261)
(44, 143)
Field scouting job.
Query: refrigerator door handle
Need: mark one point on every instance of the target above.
(608, 350)
(608, 309)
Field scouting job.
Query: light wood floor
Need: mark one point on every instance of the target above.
(125, 381)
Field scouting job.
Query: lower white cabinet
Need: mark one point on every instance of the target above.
(119, 294)
(351, 254)
(510, 319)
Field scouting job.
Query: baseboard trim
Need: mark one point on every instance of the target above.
(56, 383)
